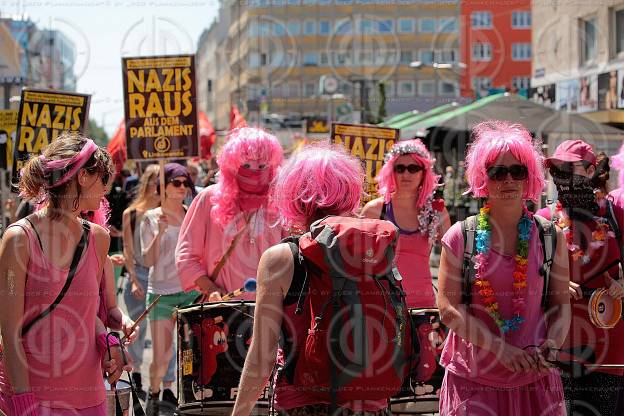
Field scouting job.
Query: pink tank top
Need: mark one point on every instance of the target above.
(64, 366)
(466, 360)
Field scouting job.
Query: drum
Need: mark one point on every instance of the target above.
(123, 393)
(604, 311)
(420, 392)
(213, 339)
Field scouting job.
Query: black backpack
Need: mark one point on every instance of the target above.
(548, 238)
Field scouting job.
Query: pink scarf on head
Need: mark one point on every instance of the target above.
(77, 160)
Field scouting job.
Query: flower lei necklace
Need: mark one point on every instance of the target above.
(599, 236)
(483, 239)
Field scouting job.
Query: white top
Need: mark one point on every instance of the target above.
(163, 276)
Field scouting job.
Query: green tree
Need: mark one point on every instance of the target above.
(97, 133)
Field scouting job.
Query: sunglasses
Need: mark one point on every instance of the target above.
(177, 183)
(410, 168)
(499, 172)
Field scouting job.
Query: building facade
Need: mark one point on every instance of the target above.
(578, 64)
(276, 52)
(496, 46)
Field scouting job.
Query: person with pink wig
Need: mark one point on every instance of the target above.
(318, 181)
(406, 183)
(237, 205)
(500, 337)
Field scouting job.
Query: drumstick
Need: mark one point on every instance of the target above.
(141, 317)
(249, 286)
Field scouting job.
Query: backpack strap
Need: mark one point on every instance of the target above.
(70, 277)
(548, 239)
(384, 208)
(469, 232)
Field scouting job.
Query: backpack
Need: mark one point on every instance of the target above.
(358, 342)
(548, 238)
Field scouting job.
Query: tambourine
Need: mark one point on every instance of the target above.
(604, 311)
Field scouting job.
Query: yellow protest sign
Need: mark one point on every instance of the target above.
(8, 129)
(43, 116)
(159, 104)
(369, 144)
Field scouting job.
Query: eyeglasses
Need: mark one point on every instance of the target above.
(177, 183)
(499, 172)
(410, 168)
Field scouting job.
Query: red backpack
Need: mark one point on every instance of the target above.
(359, 340)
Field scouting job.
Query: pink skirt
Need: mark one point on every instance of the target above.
(462, 397)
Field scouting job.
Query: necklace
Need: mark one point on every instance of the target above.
(483, 240)
(599, 236)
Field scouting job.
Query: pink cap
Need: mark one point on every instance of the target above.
(573, 151)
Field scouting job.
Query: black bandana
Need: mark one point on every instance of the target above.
(576, 194)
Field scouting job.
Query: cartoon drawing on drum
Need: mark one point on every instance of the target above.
(213, 342)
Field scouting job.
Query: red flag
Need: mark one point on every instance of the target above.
(117, 147)
(207, 135)
(236, 119)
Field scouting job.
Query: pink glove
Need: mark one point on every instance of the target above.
(25, 404)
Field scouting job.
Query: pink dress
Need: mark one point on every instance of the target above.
(475, 382)
(412, 259)
(203, 242)
(64, 366)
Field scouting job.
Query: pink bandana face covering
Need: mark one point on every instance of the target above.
(253, 181)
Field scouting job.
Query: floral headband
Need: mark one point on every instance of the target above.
(405, 149)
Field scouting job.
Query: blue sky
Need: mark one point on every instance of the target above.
(106, 30)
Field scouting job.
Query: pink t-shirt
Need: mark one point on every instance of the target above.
(479, 365)
(202, 242)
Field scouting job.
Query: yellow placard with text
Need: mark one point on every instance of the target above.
(8, 129)
(369, 144)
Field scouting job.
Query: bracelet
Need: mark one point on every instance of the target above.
(25, 404)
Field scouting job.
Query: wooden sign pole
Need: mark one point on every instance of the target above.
(161, 174)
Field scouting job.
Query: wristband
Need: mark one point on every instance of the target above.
(25, 404)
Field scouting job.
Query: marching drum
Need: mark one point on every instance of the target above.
(213, 339)
(420, 392)
(604, 311)
(123, 392)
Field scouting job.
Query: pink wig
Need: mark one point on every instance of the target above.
(318, 180)
(243, 145)
(493, 138)
(617, 161)
(386, 178)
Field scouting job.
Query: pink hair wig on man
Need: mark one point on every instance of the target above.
(617, 161)
(493, 138)
(317, 181)
(243, 145)
(386, 179)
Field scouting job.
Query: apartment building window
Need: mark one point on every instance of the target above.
(521, 20)
(426, 88)
(365, 58)
(389, 88)
(324, 59)
(481, 20)
(279, 29)
(324, 27)
(310, 59)
(406, 89)
(344, 2)
(445, 56)
(481, 52)
(617, 32)
(406, 25)
(588, 40)
(277, 58)
(252, 29)
(265, 59)
(385, 26)
(344, 27)
(521, 83)
(521, 51)
(481, 85)
(254, 60)
(448, 25)
(325, 2)
(426, 56)
(427, 25)
(309, 2)
(309, 27)
(309, 89)
(366, 26)
(448, 89)
(294, 27)
(407, 57)
(278, 2)
(290, 59)
(265, 29)
(294, 2)
(277, 90)
(294, 90)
